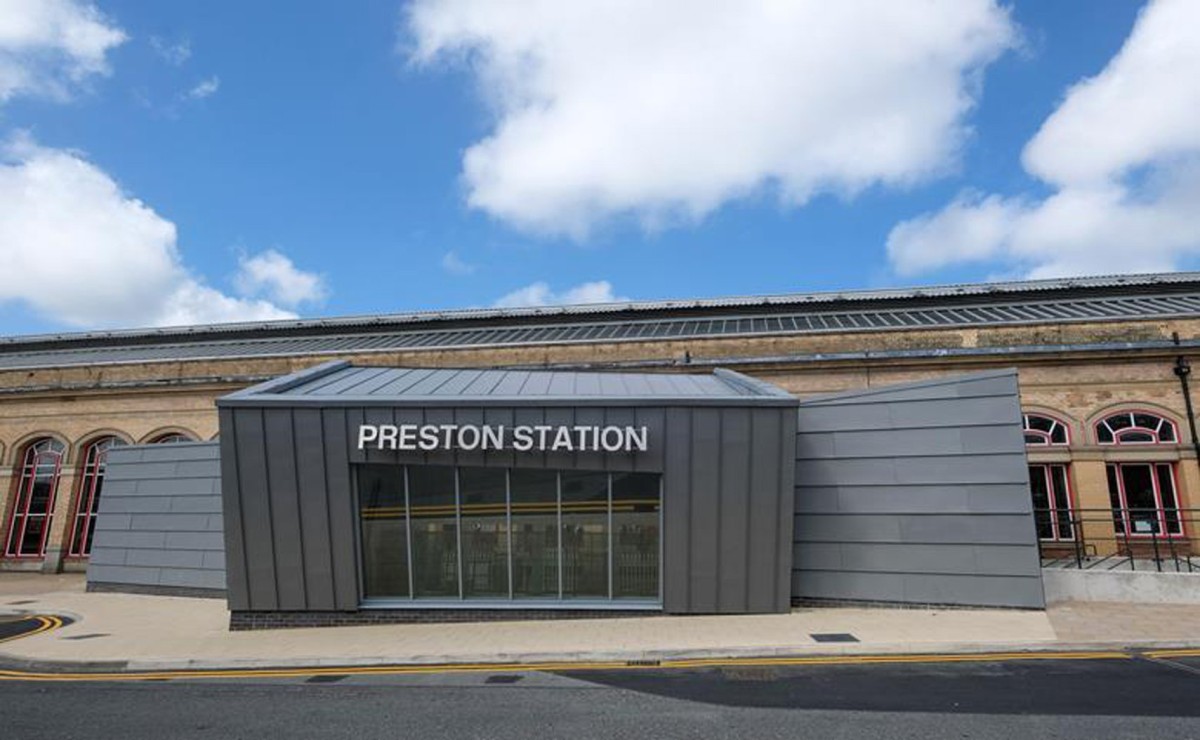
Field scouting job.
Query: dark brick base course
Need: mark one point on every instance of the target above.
(277, 620)
(811, 603)
(130, 588)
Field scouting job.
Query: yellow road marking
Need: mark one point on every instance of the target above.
(45, 624)
(1173, 653)
(16, 675)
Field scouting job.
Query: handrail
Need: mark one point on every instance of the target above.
(1118, 538)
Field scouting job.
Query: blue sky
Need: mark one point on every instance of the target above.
(311, 161)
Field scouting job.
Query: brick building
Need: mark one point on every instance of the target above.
(1107, 421)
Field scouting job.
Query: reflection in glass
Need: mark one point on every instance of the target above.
(635, 504)
(585, 534)
(384, 532)
(484, 531)
(34, 502)
(480, 533)
(431, 498)
(535, 533)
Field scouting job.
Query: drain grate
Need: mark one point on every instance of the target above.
(643, 663)
(87, 637)
(503, 678)
(23, 602)
(833, 637)
(326, 678)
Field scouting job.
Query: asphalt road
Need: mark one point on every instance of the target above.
(1135, 698)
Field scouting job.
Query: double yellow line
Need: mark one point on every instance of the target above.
(563, 666)
(45, 624)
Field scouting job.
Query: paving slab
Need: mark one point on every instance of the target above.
(161, 632)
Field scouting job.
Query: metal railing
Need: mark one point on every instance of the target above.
(1158, 540)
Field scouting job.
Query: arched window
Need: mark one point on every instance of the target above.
(1045, 430)
(1135, 428)
(87, 503)
(171, 438)
(1144, 495)
(1048, 482)
(29, 522)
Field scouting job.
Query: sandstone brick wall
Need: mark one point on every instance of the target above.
(140, 401)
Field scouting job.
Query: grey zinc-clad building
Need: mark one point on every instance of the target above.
(394, 494)
(367, 489)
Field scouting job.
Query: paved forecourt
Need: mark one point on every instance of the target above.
(157, 632)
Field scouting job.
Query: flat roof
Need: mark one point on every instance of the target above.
(340, 383)
(1094, 299)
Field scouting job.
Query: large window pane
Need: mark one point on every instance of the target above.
(1114, 499)
(1038, 485)
(585, 535)
(635, 524)
(1061, 496)
(1170, 505)
(1139, 498)
(431, 499)
(484, 531)
(535, 533)
(384, 531)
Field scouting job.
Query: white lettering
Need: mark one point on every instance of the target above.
(562, 439)
(408, 437)
(468, 437)
(367, 433)
(522, 439)
(493, 438)
(613, 444)
(635, 439)
(542, 437)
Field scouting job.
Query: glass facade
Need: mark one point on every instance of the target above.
(494, 534)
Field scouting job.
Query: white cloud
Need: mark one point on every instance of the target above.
(539, 294)
(669, 109)
(1122, 154)
(48, 47)
(455, 265)
(78, 250)
(204, 89)
(274, 275)
(174, 53)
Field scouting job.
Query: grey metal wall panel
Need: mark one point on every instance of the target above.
(160, 518)
(704, 565)
(314, 510)
(785, 507)
(285, 508)
(727, 501)
(258, 539)
(733, 511)
(236, 576)
(677, 510)
(762, 565)
(916, 493)
(342, 515)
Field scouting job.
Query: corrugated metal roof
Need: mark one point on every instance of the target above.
(1034, 302)
(348, 384)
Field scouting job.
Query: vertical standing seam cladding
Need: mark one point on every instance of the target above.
(916, 493)
(725, 450)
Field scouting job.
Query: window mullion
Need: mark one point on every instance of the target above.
(412, 584)
(558, 509)
(508, 527)
(611, 556)
(458, 529)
